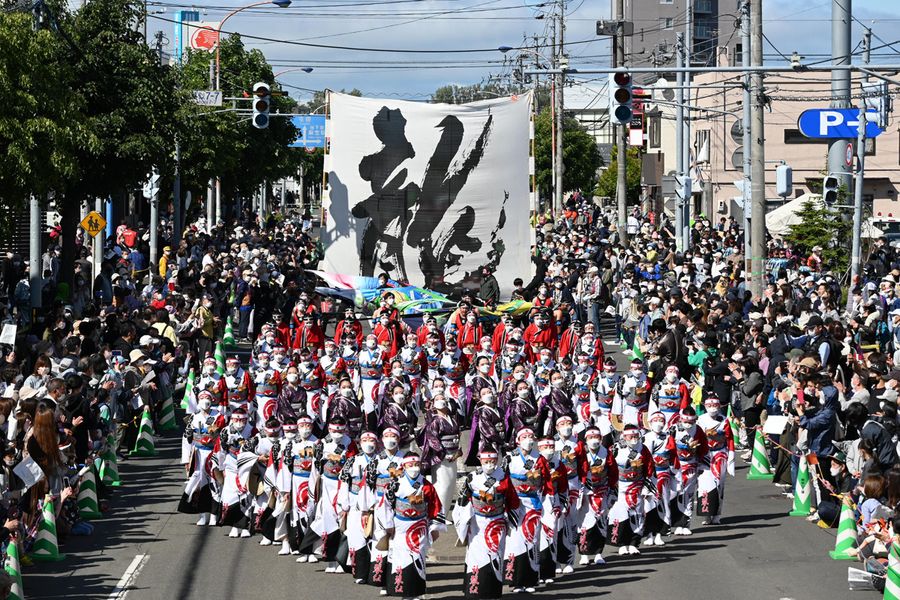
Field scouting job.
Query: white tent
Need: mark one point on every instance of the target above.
(779, 221)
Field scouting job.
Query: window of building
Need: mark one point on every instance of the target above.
(667, 23)
(654, 131)
(738, 54)
(666, 1)
(701, 145)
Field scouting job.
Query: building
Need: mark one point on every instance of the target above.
(717, 150)
(656, 23)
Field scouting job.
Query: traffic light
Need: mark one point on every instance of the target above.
(621, 98)
(830, 189)
(262, 100)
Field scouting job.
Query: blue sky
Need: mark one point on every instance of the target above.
(440, 25)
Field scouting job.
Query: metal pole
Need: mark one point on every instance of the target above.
(535, 78)
(685, 232)
(621, 137)
(154, 226)
(34, 251)
(838, 164)
(757, 156)
(176, 197)
(218, 199)
(210, 190)
(560, 110)
(860, 179)
(553, 110)
(679, 143)
(98, 242)
(745, 61)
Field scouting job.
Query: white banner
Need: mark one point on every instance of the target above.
(429, 193)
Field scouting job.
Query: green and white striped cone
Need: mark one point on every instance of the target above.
(88, 507)
(46, 546)
(228, 337)
(109, 465)
(167, 415)
(145, 445)
(735, 424)
(14, 570)
(759, 460)
(846, 535)
(892, 581)
(188, 389)
(220, 358)
(802, 491)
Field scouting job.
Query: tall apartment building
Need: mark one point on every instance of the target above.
(656, 22)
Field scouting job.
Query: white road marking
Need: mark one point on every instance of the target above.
(130, 575)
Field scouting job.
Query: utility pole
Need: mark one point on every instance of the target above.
(745, 125)
(154, 222)
(553, 109)
(685, 232)
(679, 143)
(840, 87)
(757, 156)
(535, 79)
(210, 189)
(860, 176)
(176, 197)
(560, 107)
(621, 132)
(34, 253)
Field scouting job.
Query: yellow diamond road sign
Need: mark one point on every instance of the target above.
(93, 223)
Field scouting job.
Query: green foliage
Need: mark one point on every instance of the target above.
(606, 186)
(581, 157)
(821, 226)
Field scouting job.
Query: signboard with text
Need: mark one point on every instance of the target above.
(310, 131)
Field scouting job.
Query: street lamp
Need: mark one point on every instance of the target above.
(292, 69)
(278, 3)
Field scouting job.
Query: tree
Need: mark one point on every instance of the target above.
(821, 226)
(581, 157)
(606, 186)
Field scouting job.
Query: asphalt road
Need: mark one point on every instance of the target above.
(145, 550)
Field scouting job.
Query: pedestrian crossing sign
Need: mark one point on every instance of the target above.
(93, 223)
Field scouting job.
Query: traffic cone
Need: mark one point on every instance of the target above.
(220, 358)
(734, 423)
(109, 466)
(759, 460)
(802, 491)
(188, 389)
(846, 535)
(167, 415)
(14, 570)
(892, 580)
(145, 444)
(46, 547)
(88, 507)
(228, 337)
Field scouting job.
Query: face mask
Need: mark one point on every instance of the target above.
(657, 426)
(565, 432)
(636, 372)
(547, 454)
(440, 404)
(558, 286)
(370, 344)
(209, 370)
(519, 375)
(290, 435)
(489, 399)
(270, 339)
(835, 471)
(486, 346)
(398, 372)
(272, 436)
(523, 394)
(810, 332)
(631, 442)
(384, 322)
(263, 364)
(526, 444)
(557, 383)
(42, 371)
(399, 398)
(538, 323)
(413, 472)
(9, 463)
(293, 377)
(470, 319)
(335, 435)
(304, 432)
(488, 467)
(712, 410)
(671, 377)
(390, 443)
(593, 444)
(483, 369)
(329, 351)
(684, 426)
(204, 405)
(231, 371)
(368, 447)
(346, 392)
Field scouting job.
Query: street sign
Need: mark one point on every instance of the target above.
(93, 223)
(208, 97)
(612, 27)
(836, 123)
(310, 131)
(203, 35)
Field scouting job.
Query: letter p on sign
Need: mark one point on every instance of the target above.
(827, 119)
